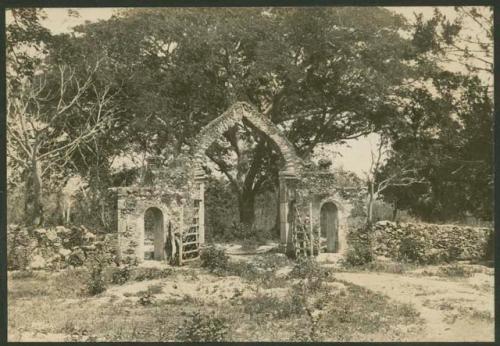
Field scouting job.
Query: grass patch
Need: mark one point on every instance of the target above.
(65, 284)
(479, 315)
(352, 311)
(453, 271)
(362, 311)
(381, 267)
(273, 307)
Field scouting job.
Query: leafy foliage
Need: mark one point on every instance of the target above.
(96, 265)
(360, 248)
(214, 259)
(202, 327)
(322, 75)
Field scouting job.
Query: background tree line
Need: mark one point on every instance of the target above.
(146, 81)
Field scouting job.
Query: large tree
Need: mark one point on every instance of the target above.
(446, 140)
(445, 132)
(322, 75)
(53, 109)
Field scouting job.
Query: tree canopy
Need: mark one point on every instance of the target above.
(322, 75)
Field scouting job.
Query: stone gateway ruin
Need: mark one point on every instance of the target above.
(154, 222)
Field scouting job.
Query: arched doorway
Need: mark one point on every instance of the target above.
(329, 224)
(154, 235)
(242, 113)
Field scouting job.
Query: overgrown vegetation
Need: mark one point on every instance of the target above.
(203, 327)
(96, 265)
(214, 259)
(360, 246)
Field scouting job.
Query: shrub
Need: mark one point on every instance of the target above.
(489, 251)
(121, 275)
(200, 327)
(308, 269)
(146, 298)
(360, 249)
(414, 249)
(214, 259)
(96, 265)
(18, 247)
(76, 258)
(279, 308)
(243, 269)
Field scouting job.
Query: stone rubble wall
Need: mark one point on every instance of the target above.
(432, 242)
(52, 247)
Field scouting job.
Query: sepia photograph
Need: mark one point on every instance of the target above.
(249, 174)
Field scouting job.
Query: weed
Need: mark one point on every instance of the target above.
(482, 315)
(273, 306)
(121, 275)
(214, 259)
(455, 270)
(96, 265)
(145, 298)
(309, 270)
(200, 327)
(155, 289)
(142, 274)
(22, 274)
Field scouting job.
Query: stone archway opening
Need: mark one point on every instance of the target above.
(329, 225)
(154, 235)
(242, 113)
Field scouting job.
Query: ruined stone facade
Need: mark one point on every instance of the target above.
(325, 204)
(315, 196)
(132, 204)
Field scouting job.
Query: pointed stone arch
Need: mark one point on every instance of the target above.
(238, 113)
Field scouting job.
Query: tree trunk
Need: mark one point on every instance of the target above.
(33, 194)
(395, 211)
(247, 207)
(369, 219)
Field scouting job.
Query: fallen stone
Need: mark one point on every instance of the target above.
(64, 252)
(51, 234)
(37, 262)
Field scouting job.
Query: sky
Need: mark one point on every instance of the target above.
(354, 156)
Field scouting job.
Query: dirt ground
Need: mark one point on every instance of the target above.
(449, 308)
(453, 309)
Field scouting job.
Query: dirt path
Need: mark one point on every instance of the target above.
(453, 309)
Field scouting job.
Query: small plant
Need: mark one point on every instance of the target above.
(360, 249)
(455, 270)
(215, 260)
(121, 275)
(96, 265)
(308, 269)
(142, 274)
(146, 298)
(413, 249)
(199, 327)
(18, 247)
(155, 289)
(273, 306)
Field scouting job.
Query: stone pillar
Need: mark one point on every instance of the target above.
(287, 181)
(121, 227)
